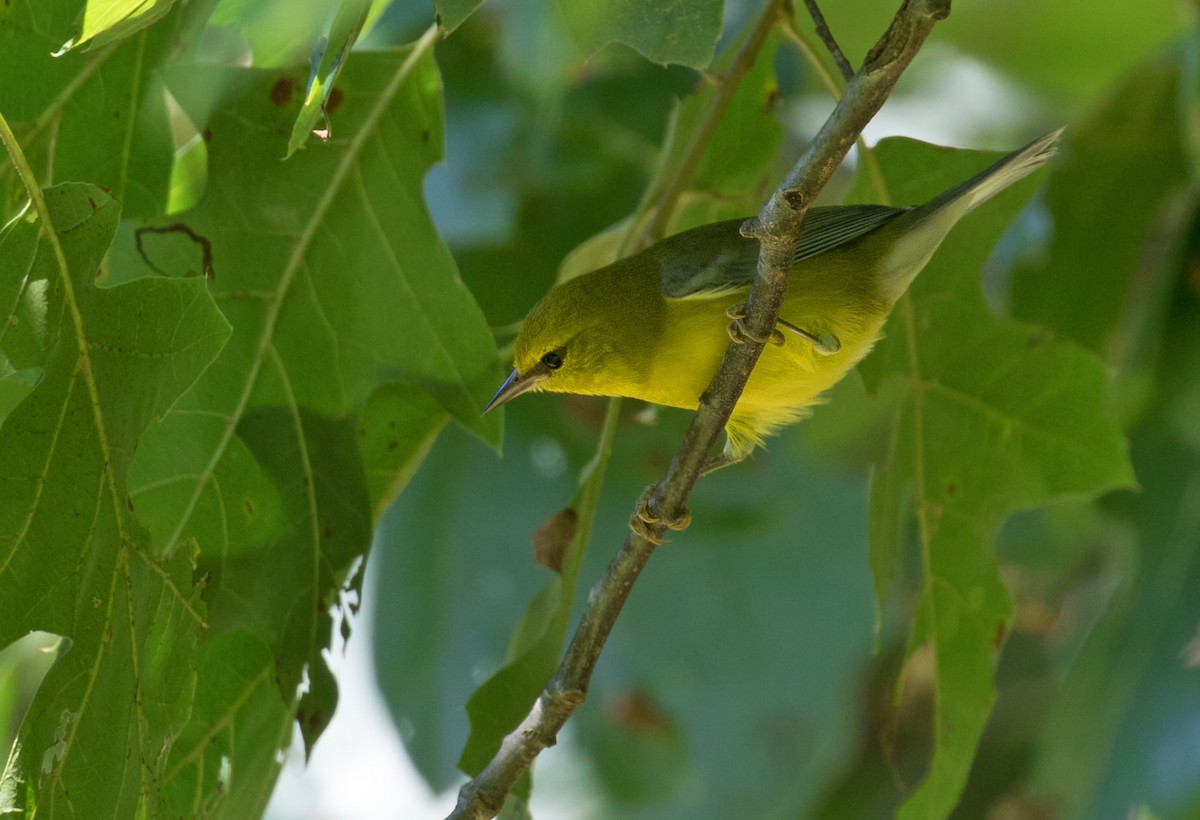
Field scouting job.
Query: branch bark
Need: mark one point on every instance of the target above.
(777, 227)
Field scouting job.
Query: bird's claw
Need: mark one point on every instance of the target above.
(739, 332)
(825, 343)
(642, 519)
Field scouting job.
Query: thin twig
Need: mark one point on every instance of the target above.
(827, 38)
(777, 227)
(727, 86)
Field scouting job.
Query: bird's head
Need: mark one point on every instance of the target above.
(573, 342)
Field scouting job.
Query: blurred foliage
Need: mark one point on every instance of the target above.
(210, 403)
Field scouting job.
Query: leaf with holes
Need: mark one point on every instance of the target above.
(353, 341)
(74, 558)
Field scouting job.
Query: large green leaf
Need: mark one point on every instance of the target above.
(74, 558)
(996, 415)
(30, 32)
(336, 285)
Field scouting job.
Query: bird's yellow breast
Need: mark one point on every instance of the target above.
(787, 380)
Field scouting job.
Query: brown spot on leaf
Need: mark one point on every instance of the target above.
(329, 532)
(248, 506)
(951, 489)
(281, 92)
(425, 137)
(551, 539)
(393, 444)
(1001, 632)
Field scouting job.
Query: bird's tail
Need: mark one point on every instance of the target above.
(924, 227)
(993, 179)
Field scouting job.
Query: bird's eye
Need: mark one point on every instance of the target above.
(553, 360)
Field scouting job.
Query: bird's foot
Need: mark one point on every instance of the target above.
(642, 519)
(826, 343)
(739, 332)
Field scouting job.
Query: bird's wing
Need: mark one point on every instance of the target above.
(713, 259)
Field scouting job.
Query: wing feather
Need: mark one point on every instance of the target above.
(716, 259)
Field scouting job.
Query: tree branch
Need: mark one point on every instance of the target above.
(777, 227)
(827, 38)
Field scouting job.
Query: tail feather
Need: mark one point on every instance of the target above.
(994, 179)
(923, 228)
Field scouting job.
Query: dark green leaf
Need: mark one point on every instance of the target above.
(996, 415)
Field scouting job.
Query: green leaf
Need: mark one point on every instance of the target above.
(731, 178)
(74, 559)
(665, 31)
(363, 227)
(106, 21)
(208, 773)
(396, 430)
(336, 284)
(30, 33)
(105, 122)
(326, 64)
(1129, 691)
(996, 415)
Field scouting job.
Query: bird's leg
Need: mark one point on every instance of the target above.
(642, 518)
(721, 459)
(826, 343)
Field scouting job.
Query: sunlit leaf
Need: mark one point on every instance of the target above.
(105, 21)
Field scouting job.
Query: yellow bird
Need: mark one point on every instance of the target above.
(654, 326)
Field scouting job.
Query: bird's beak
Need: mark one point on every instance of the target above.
(513, 386)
